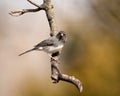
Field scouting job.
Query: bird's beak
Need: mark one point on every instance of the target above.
(62, 34)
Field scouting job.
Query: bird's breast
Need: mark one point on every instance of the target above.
(52, 49)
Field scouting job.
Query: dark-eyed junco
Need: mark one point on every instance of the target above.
(51, 45)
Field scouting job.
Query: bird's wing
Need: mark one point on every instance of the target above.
(48, 42)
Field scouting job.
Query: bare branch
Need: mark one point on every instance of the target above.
(56, 75)
(47, 1)
(31, 2)
(23, 11)
(72, 80)
(49, 9)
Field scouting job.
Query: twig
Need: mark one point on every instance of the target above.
(33, 3)
(48, 7)
(56, 75)
(23, 11)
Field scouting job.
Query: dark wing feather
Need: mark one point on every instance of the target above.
(44, 43)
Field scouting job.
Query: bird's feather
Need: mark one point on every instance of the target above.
(27, 51)
(45, 43)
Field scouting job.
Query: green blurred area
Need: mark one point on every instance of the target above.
(92, 54)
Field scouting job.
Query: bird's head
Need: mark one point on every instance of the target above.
(61, 36)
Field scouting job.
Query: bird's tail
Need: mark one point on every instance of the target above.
(27, 51)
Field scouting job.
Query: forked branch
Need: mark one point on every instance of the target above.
(56, 75)
(23, 11)
(47, 6)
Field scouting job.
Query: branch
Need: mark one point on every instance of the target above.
(47, 6)
(33, 3)
(50, 16)
(56, 75)
(73, 80)
(23, 11)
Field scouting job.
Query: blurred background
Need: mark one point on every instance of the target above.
(91, 54)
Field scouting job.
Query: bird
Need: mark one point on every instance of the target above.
(51, 45)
